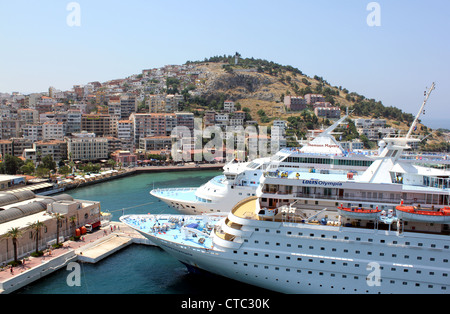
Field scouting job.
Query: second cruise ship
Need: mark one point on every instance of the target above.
(241, 179)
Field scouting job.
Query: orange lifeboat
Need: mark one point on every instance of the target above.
(419, 214)
(359, 212)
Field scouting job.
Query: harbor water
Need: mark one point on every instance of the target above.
(137, 269)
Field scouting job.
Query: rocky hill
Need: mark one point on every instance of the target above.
(259, 86)
(255, 82)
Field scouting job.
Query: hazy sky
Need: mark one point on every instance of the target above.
(393, 62)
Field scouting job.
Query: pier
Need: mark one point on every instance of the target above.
(93, 248)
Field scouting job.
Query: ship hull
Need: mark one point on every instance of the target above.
(185, 201)
(322, 260)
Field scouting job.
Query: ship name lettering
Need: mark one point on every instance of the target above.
(321, 183)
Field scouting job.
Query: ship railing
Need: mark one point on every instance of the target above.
(173, 190)
(338, 198)
(407, 201)
(292, 174)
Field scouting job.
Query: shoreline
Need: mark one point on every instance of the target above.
(134, 171)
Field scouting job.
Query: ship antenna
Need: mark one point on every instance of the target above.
(427, 95)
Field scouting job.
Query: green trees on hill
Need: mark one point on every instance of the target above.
(286, 74)
(375, 109)
(261, 65)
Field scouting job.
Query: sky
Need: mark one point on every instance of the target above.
(63, 43)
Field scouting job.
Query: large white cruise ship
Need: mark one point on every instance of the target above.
(342, 249)
(241, 179)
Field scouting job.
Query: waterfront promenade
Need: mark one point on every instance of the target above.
(77, 183)
(93, 248)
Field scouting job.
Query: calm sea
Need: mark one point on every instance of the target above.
(137, 269)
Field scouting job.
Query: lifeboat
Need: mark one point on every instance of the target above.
(431, 215)
(359, 212)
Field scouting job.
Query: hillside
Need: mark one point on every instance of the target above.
(261, 85)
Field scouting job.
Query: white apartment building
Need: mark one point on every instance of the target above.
(29, 116)
(185, 119)
(374, 134)
(152, 124)
(125, 133)
(53, 130)
(155, 143)
(370, 123)
(352, 145)
(155, 103)
(236, 122)
(172, 102)
(55, 148)
(32, 132)
(73, 121)
(229, 106)
(280, 123)
(222, 119)
(87, 148)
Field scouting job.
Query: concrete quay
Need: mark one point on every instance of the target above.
(95, 247)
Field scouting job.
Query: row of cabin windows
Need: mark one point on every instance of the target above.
(328, 161)
(309, 272)
(334, 237)
(419, 258)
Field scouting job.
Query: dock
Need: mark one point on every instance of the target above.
(94, 248)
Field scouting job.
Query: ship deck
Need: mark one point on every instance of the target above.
(246, 209)
(187, 230)
(178, 194)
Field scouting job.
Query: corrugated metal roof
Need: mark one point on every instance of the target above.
(23, 195)
(7, 198)
(30, 208)
(10, 214)
(62, 197)
(19, 211)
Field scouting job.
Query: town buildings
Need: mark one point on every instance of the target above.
(135, 113)
(373, 129)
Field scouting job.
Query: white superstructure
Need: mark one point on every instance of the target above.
(241, 179)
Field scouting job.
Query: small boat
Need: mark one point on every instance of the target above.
(417, 213)
(359, 212)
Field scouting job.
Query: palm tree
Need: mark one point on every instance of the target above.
(14, 234)
(111, 163)
(36, 229)
(73, 221)
(58, 217)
